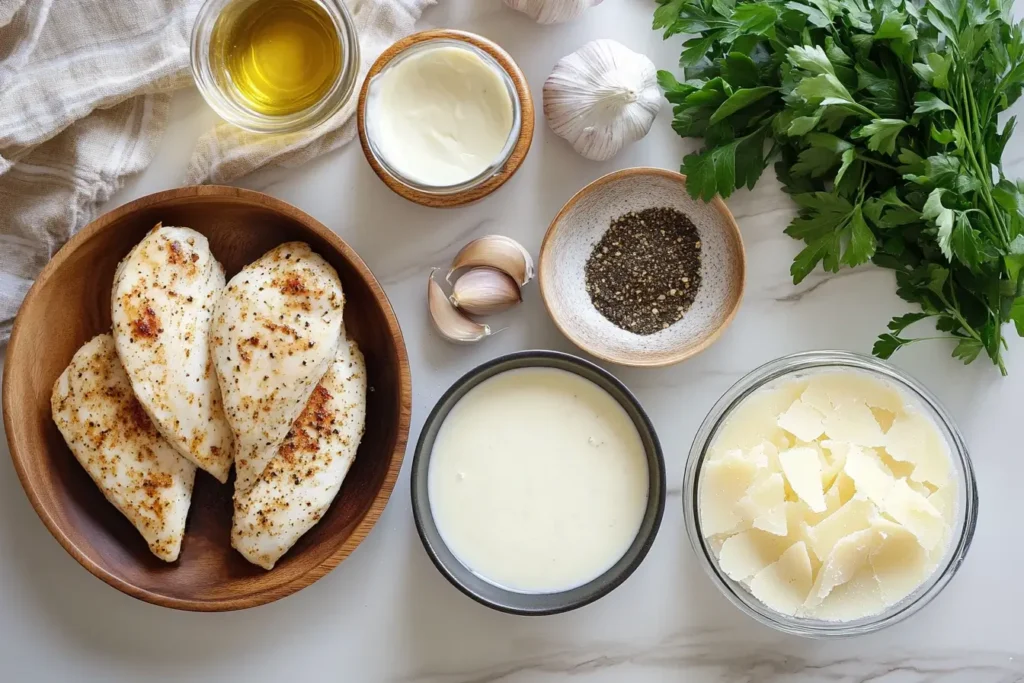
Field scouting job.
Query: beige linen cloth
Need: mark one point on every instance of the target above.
(84, 93)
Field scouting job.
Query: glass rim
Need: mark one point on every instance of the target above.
(328, 105)
(502, 157)
(962, 532)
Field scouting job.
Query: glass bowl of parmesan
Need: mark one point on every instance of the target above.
(829, 494)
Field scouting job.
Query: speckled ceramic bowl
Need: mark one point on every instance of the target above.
(581, 223)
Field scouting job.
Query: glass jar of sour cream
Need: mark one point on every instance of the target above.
(445, 117)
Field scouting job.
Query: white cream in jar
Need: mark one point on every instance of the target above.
(538, 480)
(440, 116)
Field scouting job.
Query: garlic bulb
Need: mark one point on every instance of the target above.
(602, 97)
(552, 11)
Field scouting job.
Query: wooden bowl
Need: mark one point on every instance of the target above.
(70, 303)
(464, 195)
(581, 223)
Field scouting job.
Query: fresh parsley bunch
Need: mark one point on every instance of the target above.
(883, 117)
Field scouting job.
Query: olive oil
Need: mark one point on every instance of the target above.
(280, 56)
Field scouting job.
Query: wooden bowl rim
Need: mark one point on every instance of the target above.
(252, 599)
(640, 359)
(516, 157)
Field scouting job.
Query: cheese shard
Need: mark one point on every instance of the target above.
(854, 516)
(803, 421)
(898, 561)
(745, 554)
(843, 388)
(869, 476)
(857, 598)
(755, 419)
(913, 438)
(765, 504)
(724, 482)
(783, 585)
(913, 511)
(854, 423)
(944, 501)
(803, 472)
(848, 556)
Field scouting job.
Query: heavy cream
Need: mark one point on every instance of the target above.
(441, 116)
(538, 480)
(830, 497)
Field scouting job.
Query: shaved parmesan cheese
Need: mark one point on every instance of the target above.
(869, 476)
(857, 598)
(765, 504)
(856, 515)
(829, 498)
(915, 439)
(944, 501)
(723, 483)
(803, 472)
(847, 558)
(854, 423)
(802, 421)
(748, 552)
(844, 388)
(912, 510)
(899, 562)
(755, 419)
(783, 586)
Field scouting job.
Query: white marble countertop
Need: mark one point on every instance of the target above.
(385, 614)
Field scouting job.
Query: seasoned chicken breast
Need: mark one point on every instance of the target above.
(276, 329)
(301, 481)
(118, 445)
(162, 307)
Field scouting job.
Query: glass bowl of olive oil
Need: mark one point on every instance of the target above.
(275, 66)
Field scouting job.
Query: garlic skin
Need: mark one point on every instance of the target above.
(449, 321)
(552, 11)
(602, 97)
(485, 291)
(496, 251)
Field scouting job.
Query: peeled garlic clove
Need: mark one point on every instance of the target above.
(496, 251)
(552, 11)
(452, 324)
(602, 97)
(483, 291)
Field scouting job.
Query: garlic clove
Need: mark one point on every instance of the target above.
(449, 321)
(496, 251)
(601, 98)
(483, 291)
(552, 11)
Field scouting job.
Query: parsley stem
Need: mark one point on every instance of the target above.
(877, 162)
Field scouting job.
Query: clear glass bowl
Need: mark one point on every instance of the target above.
(803, 365)
(499, 162)
(212, 80)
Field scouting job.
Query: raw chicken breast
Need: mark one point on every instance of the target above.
(118, 445)
(162, 307)
(302, 480)
(276, 330)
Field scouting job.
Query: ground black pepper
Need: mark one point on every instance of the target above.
(644, 273)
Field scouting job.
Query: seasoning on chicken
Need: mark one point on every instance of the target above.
(276, 330)
(304, 477)
(162, 307)
(118, 445)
